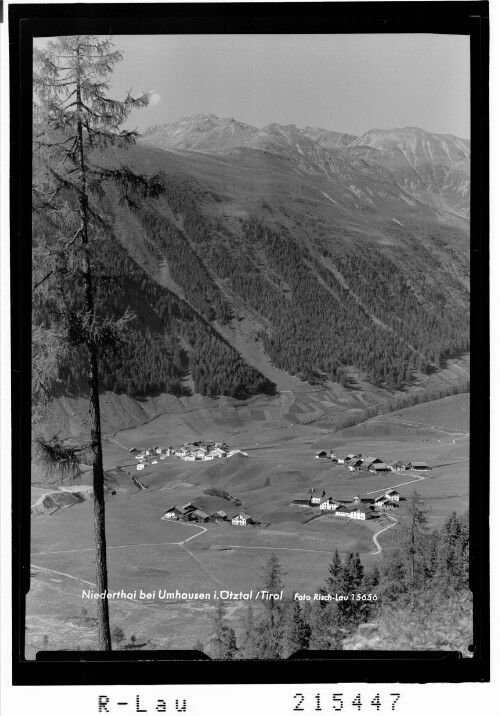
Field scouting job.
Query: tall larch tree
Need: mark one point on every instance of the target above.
(271, 625)
(74, 123)
(408, 565)
(223, 641)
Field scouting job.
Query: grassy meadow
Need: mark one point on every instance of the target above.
(146, 552)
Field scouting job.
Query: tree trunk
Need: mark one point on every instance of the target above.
(104, 633)
(99, 517)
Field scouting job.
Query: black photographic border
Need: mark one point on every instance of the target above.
(157, 667)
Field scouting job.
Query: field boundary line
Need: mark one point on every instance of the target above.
(63, 574)
(290, 549)
(117, 546)
(92, 584)
(214, 579)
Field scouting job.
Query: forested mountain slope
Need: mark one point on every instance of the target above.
(342, 252)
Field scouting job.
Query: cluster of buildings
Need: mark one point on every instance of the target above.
(202, 450)
(199, 450)
(360, 463)
(192, 513)
(359, 508)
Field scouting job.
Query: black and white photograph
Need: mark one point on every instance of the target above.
(251, 345)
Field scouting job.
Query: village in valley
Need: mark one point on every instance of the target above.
(199, 450)
(354, 508)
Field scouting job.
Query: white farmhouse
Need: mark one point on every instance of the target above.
(316, 498)
(328, 504)
(218, 452)
(241, 520)
(361, 513)
(173, 513)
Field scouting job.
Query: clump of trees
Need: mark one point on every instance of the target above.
(422, 599)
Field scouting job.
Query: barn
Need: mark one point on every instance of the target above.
(379, 468)
(322, 455)
(219, 516)
(302, 500)
(419, 466)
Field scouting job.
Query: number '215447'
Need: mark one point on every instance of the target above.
(337, 702)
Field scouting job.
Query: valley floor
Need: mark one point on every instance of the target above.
(150, 554)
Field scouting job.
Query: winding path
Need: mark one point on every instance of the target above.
(374, 538)
(418, 478)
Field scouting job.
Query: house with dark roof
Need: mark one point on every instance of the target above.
(379, 468)
(397, 466)
(363, 500)
(418, 466)
(179, 511)
(219, 516)
(369, 461)
(323, 455)
(302, 500)
(197, 516)
(173, 513)
(392, 495)
(186, 509)
(386, 504)
(344, 510)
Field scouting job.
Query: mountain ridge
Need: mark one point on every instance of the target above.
(213, 120)
(433, 169)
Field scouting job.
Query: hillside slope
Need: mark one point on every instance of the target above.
(282, 256)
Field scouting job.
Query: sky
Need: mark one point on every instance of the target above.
(345, 83)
